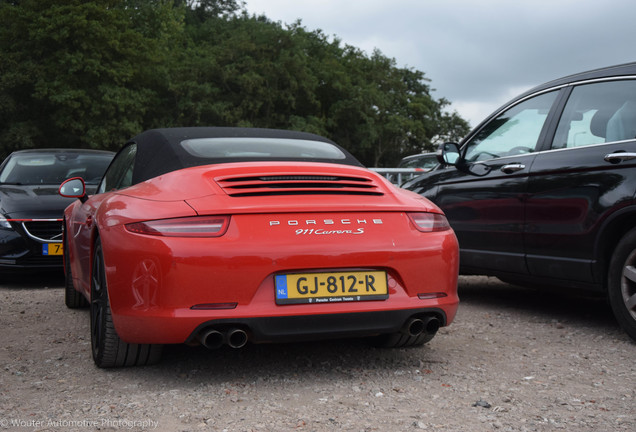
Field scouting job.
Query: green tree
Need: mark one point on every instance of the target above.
(250, 71)
(81, 74)
(376, 110)
(92, 74)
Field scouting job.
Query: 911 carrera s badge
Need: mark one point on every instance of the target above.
(310, 231)
(345, 226)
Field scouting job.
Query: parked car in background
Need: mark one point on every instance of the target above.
(220, 236)
(31, 208)
(544, 189)
(424, 161)
(409, 167)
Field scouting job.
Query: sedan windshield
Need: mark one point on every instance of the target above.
(53, 168)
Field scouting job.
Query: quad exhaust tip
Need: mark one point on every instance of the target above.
(417, 326)
(236, 338)
(213, 338)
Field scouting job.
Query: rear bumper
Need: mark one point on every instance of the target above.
(269, 323)
(164, 290)
(316, 327)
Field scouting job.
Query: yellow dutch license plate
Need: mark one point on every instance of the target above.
(52, 249)
(332, 287)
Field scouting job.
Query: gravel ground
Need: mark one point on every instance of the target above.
(514, 360)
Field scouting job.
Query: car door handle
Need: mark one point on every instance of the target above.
(619, 157)
(511, 168)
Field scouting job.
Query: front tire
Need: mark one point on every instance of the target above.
(621, 284)
(108, 349)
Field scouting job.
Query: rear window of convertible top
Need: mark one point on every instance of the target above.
(266, 148)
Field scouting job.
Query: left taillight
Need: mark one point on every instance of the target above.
(429, 222)
(198, 226)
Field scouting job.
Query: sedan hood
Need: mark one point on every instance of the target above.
(32, 202)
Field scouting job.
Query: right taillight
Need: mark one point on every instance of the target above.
(429, 222)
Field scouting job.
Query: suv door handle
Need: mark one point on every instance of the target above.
(511, 168)
(619, 157)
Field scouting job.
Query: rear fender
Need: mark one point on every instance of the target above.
(611, 231)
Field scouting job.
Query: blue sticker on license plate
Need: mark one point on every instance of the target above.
(52, 249)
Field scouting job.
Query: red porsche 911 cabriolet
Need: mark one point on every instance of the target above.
(234, 235)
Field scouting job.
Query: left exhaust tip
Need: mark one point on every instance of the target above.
(212, 339)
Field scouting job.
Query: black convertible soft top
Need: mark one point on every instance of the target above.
(160, 151)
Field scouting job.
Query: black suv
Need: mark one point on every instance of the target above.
(544, 189)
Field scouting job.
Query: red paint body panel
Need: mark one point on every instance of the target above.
(154, 282)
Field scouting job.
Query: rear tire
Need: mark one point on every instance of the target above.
(108, 349)
(73, 298)
(621, 283)
(401, 340)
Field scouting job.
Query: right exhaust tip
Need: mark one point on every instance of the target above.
(417, 326)
(432, 324)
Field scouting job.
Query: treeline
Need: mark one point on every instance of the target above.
(93, 74)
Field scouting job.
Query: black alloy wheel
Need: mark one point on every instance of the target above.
(622, 283)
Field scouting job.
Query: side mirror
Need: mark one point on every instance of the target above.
(73, 188)
(448, 154)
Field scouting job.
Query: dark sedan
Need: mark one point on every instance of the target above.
(31, 209)
(544, 189)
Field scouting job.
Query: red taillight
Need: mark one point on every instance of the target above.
(429, 222)
(198, 226)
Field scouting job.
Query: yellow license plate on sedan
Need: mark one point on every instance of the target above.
(332, 287)
(52, 249)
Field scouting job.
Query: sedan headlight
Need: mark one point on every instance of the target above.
(4, 223)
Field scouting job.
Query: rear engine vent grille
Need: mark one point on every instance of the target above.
(298, 184)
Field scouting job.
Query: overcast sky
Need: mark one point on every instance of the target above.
(477, 53)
